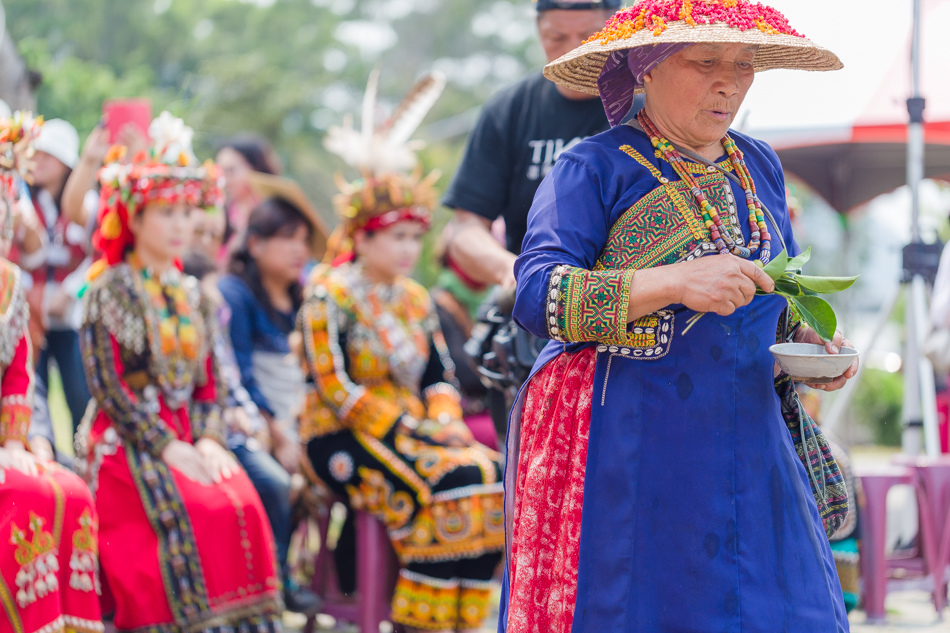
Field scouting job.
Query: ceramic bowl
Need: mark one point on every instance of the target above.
(806, 362)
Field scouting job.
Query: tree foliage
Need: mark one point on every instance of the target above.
(286, 69)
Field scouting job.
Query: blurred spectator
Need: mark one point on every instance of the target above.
(245, 424)
(263, 290)
(457, 297)
(238, 158)
(208, 236)
(62, 271)
(80, 200)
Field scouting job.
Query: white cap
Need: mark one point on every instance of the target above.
(59, 139)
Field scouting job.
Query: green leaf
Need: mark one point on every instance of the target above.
(796, 263)
(776, 267)
(825, 285)
(817, 313)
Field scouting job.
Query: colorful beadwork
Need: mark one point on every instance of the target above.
(717, 231)
(588, 305)
(656, 15)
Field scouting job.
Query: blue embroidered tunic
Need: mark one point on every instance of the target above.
(697, 514)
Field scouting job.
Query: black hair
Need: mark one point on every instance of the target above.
(58, 199)
(197, 264)
(272, 217)
(256, 151)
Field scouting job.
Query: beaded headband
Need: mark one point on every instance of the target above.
(656, 22)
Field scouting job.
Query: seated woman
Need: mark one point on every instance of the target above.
(383, 421)
(49, 578)
(186, 545)
(263, 291)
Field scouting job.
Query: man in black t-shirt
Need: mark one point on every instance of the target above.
(519, 135)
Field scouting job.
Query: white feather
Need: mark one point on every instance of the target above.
(369, 106)
(377, 151)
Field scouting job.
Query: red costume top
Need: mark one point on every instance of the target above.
(48, 526)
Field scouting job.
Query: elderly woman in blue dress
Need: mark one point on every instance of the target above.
(653, 484)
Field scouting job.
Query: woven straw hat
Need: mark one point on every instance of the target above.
(651, 22)
(270, 186)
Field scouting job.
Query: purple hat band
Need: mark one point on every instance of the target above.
(623, 74)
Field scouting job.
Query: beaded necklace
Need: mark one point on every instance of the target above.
(717, 231)
(172, 332)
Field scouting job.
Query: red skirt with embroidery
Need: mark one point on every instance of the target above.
(48, 560)
(555, 425)
(179, 555)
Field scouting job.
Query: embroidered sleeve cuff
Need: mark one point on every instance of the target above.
(15, 415)
(156, 442)
(362, 411)
(443, 402)
(587, 305)
(210, 423)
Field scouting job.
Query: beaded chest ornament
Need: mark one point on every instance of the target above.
(760, 241)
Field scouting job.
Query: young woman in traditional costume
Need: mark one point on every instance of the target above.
(185, 541)
(383, 418)
(652, 482)
(49, 567)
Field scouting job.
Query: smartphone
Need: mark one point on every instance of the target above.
(116, 113)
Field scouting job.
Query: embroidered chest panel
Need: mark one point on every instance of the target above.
(155, 347)
(665, 226)
(387, 328)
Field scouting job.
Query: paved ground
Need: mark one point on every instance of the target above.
(907, 612)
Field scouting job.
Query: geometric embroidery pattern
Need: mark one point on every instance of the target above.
(588, 306)
(664, 227)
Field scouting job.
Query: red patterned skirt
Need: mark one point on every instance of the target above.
(179, 555)
(49, 578)
(555, 425)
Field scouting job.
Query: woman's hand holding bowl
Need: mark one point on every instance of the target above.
(807, 335)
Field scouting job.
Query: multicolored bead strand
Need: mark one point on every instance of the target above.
(760, 230)
(760, 240)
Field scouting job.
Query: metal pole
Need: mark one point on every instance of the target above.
(915, 129)
(919, 408)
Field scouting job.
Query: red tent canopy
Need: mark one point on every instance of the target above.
(850, 165)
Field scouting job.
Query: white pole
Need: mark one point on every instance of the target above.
(919, 408)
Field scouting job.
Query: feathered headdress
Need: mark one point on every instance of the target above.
(168, 172)
(391, 187)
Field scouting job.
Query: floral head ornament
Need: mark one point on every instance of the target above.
(168, 172)
(17, 134)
